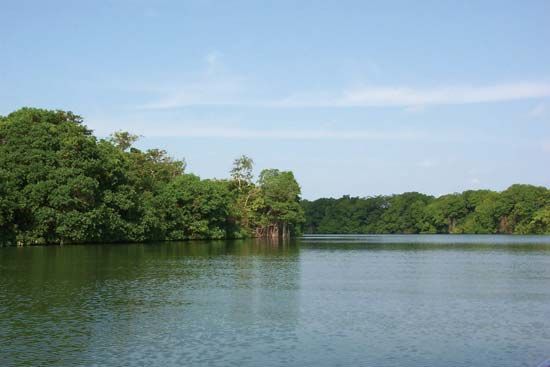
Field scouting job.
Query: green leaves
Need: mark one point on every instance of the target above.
(190, 208)
(519, 209)
(281, 201)
(123, 140)
(59, 184)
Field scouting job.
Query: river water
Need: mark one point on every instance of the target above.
(319, 301)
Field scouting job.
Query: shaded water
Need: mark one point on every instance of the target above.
(319, 301)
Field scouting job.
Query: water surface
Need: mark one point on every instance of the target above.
(318, 301)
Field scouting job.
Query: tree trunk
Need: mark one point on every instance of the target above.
(274, 230)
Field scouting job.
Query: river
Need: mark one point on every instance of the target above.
(426, 300)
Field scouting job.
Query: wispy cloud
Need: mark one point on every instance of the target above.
(216, 85)
(188, 130)
(213, 59)
(538, 111)
(206, 91)
(212, 85)
(291, 134)
(427, 163)
(399, 96)
(232, 91)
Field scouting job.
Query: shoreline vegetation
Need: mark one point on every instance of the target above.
(520, 209)
(60, 184)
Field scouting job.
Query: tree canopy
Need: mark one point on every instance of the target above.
(61, 184)
(520, 209)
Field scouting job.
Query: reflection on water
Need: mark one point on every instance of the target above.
(320, 301)
(427, 242)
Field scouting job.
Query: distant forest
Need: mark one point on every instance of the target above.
(520, 209)
(60, 184)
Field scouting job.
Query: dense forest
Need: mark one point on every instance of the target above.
(520, 209)
(60, 184)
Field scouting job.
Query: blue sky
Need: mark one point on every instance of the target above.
(355, 97)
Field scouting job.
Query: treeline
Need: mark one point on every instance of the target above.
(520, 209)
(60, 184)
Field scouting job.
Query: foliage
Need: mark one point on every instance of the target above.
(123, 140)
(241, 173)
(188, 207)
(281, 194)
(520, 209)
(60, 184)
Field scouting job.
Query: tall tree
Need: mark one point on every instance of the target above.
(246, 194)
(242, 171)
(281, 214)
(123, 139)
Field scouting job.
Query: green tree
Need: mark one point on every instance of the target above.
(281, 214)
(9, 199)
(405, 213)
(242, 172)
(516, 205)
(540, 223)
(246, 195)
(60, 184)
(53, 161)
(192, 208)
(445, 214)
(123, 140)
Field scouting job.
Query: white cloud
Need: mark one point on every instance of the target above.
(210, 86)
(410, 97)
(214, 85)
(201, 129)
(213, 61)
(538, 111)
(311, 134)
(427, 163)
(475, 181)
(415, 109)
(206, 91)
(216, 92)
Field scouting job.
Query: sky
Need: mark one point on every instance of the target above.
(357, 98)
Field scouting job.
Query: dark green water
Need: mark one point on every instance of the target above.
(320, 301)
